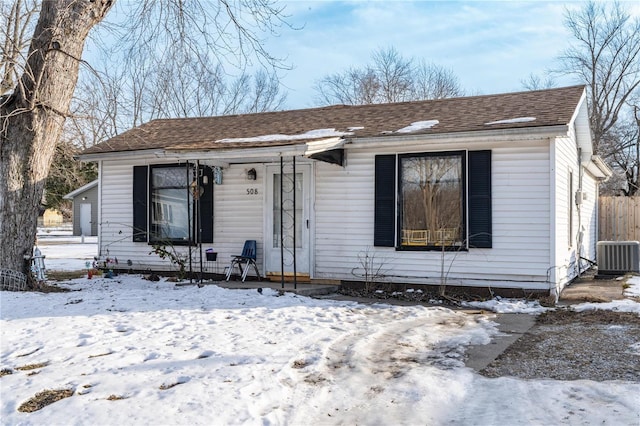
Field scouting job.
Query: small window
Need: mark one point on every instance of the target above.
(432, 201)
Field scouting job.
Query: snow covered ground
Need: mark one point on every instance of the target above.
(64, 252)
(137, 352)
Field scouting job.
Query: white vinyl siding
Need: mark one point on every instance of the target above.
(566, 165)
(237, 217)
(345, 204)
(238, 213)
(589, 217)
(529, 204)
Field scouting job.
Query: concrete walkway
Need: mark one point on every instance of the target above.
(513, 326)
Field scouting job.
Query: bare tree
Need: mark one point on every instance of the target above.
(389, 78)
(32, 117)
(536, 82)
(605, 55)
(435, 82)
(394, 73)
(16, 23)
(622, 147)
(33, 112)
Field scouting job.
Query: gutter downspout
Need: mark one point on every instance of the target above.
(580, 233)
(100, 208)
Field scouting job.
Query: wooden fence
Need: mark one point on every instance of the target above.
(619, 219)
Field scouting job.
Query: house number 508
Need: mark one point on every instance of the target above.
(252, 191)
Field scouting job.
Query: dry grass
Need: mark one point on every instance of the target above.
(65, 275)
(569, 345)
(169, 386)
(5, 372)
(32, 366)
(115, 397)
(104, 354)
(44, 398)
(299, 363)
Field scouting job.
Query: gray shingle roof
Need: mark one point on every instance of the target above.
(539, 108)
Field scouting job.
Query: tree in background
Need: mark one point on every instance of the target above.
(536, 82)
(388, 78)
(67, 174)
(17, 21)
(605, 55)
(35, 104)
(621, 146)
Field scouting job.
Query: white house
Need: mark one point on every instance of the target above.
(496, 191)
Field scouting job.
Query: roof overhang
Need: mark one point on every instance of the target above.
(582, 129)
(73, 194)
(495, 136)
(597, 168)
(329, 150)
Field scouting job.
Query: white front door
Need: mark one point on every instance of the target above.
(297, 230)
(85, 219)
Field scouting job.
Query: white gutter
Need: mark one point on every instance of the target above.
(503, 135)
(238, 153)
(597, 167)
(96, 156)
(222, 157)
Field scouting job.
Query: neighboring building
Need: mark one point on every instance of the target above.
(495, 191)
(50, 218)
(85, 209)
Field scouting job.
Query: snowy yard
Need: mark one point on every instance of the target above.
(137, 352)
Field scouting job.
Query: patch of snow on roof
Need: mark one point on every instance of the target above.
(354, 128)
(417, 126)
(311, 134)
(511, 121)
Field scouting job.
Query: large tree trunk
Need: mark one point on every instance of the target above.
(31, 119)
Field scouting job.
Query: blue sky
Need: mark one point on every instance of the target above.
(490, 45)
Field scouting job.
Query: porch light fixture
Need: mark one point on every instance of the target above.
(252, 174)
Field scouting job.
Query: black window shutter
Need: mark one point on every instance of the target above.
(140, 199)
(385, 200)
(480, 199)
(206, 206)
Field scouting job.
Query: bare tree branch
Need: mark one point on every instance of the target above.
(389, 78)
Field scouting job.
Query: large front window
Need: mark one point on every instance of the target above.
(432, 200)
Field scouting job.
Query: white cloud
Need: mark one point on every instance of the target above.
(491, 46)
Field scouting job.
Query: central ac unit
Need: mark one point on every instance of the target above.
(618, 257)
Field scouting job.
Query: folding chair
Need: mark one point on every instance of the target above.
(248, 257)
